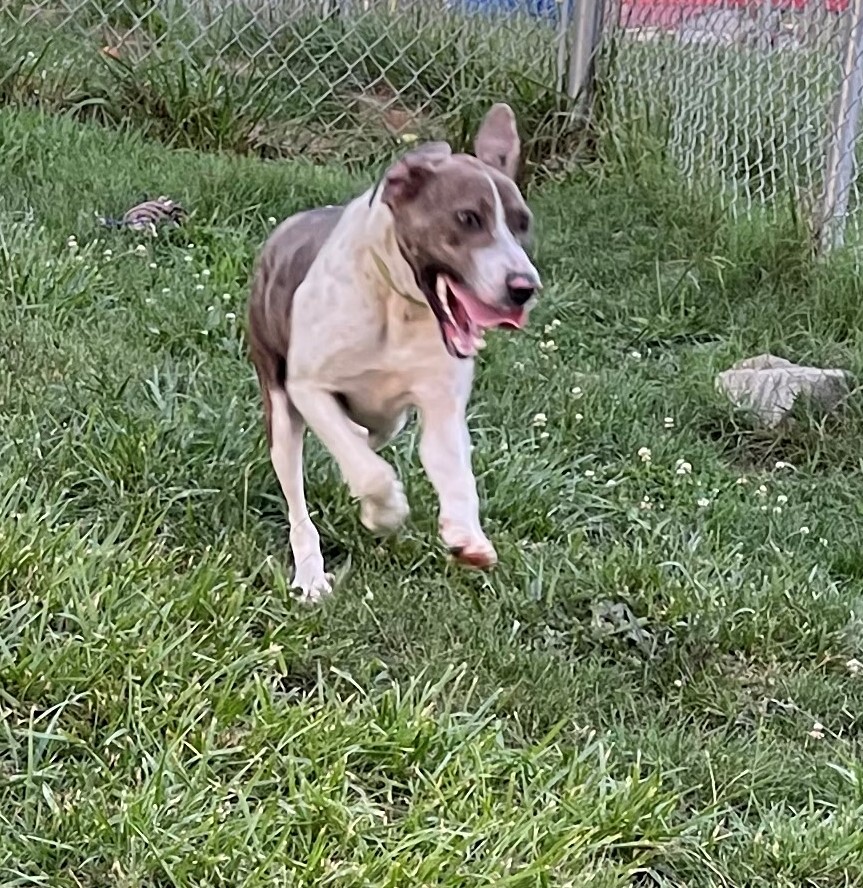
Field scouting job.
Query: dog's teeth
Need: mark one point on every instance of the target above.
(443, 297)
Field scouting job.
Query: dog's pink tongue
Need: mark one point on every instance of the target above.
(485, 316)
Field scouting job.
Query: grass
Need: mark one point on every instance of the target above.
(630, 699)
(294, 80)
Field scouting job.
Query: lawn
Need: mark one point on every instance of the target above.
(660, 684)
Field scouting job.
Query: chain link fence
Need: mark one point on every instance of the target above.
(756, 98)
(320, 78)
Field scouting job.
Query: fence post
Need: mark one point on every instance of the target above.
(842, 138)
(587, 23)
(562, 40)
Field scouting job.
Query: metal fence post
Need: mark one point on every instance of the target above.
(562, 40)
(587, 22)
(842, 138)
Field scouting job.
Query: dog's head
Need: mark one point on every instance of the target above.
(464, 228)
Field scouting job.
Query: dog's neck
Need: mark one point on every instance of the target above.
(385, 260)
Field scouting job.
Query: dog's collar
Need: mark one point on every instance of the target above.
(385, 274)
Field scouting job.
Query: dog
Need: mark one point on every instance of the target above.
(362, 311)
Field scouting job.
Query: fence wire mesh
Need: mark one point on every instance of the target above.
(744, 95)
(291, 76)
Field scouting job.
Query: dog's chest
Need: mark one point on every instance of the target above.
(387, 382)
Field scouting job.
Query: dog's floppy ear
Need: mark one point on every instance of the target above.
(406, 177)
(497, 142)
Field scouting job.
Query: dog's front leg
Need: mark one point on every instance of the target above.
(445, 455)
(370, 478)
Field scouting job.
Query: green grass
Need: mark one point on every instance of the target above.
(627, 700)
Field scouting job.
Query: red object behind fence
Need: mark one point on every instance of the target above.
(673, 13)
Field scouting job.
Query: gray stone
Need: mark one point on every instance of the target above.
(768, 386)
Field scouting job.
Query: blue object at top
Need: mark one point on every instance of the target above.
(547, 9)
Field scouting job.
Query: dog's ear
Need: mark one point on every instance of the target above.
(497, 142)
(406, 177)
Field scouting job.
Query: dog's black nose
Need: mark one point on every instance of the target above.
(521, 287)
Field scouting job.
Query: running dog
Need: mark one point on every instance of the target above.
(362, 311)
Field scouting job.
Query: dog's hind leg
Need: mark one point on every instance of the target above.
(286, 453)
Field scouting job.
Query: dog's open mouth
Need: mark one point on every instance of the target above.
(464, 317)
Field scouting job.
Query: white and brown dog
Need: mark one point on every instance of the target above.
(360, 312)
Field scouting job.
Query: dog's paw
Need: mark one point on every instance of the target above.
(385, 513)
(313, 585)
(470, 548)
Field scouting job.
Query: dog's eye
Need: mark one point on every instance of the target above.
(469, 219)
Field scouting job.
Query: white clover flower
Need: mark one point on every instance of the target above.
(668, 422)
(702, 502)
(817, 732)
(539, 420)
(576, 392)
(589, 473)
(762, 491)
(682, 467)
(644, 454)
(781, 499)
(140, 250)
(230, 316)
